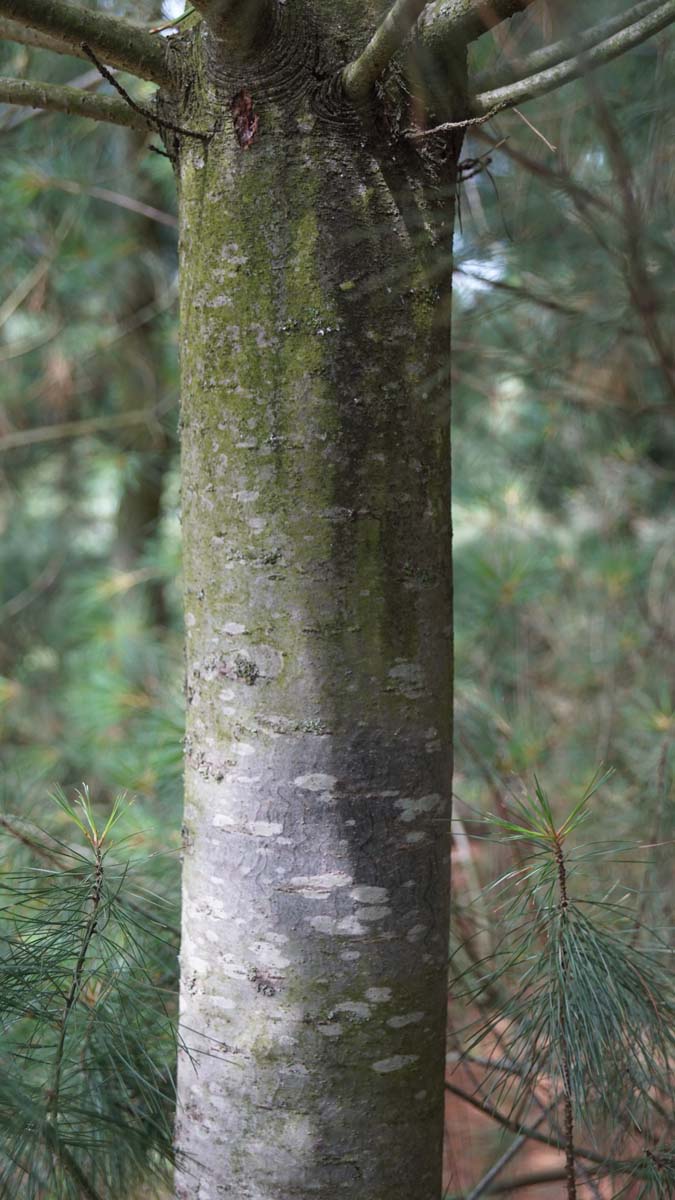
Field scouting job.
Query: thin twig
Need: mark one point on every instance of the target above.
(548, 1139)
(485, 1184)
(130, 203)
(68, 429)
(661, 796)
(40, 851)
(535, 1179)
(76, 982)
(535, 131)
(40, 584)
(415, 134)
(151, 117)
(563, 907)
(555, 52)
(638, 281)
(549, 80)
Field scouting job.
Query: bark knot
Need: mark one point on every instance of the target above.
(245, 120)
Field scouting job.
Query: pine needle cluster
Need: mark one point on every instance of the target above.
(87, 1011)
(577, 999)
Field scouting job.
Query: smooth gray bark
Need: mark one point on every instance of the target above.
(316, 475)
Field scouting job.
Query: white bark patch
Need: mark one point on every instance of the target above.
(418, 836)
(324, 924)
(316, 783)
(254, 829)
(385, 1065)
(408, 679)
(280, 938)
(406, 1019)
(223, 1003)
(378, 995)
(265, 828)
(412, 807)
(318, 887)
(355, 1008)
(373, 914)
(190, 619)
(269, 956)
(369, 895)
(191, 962)
(233, 628)
(233, 258)
(351, 925)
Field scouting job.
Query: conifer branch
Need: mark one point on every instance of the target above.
(117, 42)
(73, 101)
(359, 76)
(556, 52)
(563, 907)
(573, 68)
(75, 988)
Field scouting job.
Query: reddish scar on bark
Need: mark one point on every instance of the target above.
(245, 121)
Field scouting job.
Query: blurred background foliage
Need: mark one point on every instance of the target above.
(564, 465)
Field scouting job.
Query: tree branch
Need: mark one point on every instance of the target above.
(547, 81)
(74, 101)
(556, 52)
(534, 1179)
(486, 1183)
(14, 31)
(239, 24)
(458, 22)
(70, 429)
(117, 42)
(359, 76)
(528, 1131)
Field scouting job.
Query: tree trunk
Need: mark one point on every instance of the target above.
(316, 477)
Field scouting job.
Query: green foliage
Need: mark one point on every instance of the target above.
(87, 1007)
(564, 468)
(571, 976)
